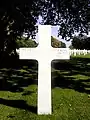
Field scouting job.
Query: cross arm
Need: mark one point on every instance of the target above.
(28, 53)
(60, 53)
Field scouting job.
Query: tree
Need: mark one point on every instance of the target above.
(87, 43)
(71, 47)
(26, 43)
(79, 42)
(31, 43)
(18, 17)
(63, 45)
(72, 16)
(56, 43)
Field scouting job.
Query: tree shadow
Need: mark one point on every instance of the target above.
(25, 72)
(64, 74)
(27, 93)
(13, 78)
(21, 104)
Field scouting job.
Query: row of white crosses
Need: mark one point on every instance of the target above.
(44, 54)
(72, 52)
(78, 52)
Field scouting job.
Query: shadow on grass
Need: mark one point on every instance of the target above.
(72, 74)
(27, 93)
(21, 104)
(13, 78)
(25, 73)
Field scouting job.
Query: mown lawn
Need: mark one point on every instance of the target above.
(70, 92)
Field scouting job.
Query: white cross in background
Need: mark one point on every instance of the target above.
(44, 54)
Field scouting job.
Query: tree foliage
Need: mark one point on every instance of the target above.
(56, 43)
(81, 42)
(18, 17)
(71, 15)
(31, 43)
(71, 47)
(26, 43)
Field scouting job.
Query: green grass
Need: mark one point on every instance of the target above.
(83, 56)
(67, 105)
(70, 92)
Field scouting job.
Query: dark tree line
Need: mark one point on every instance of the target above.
(81, 42)
(18, 17)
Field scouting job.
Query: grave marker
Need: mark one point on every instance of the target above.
(44, 54)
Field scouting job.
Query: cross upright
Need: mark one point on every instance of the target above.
(44, 53)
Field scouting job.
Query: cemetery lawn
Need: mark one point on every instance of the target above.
(70, 93)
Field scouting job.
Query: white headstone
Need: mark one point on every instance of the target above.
(44, 54)
(75, 52)
(79, 51)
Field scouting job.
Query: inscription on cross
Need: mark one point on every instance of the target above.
(44, 54)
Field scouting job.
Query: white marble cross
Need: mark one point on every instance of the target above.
(44, 54)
